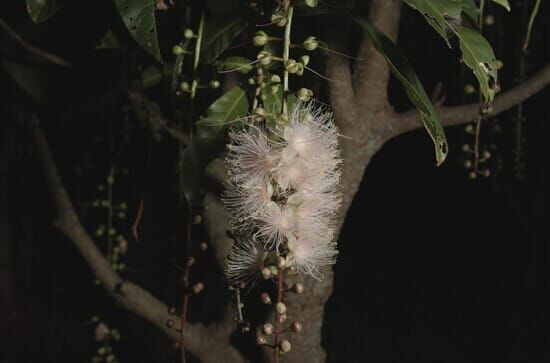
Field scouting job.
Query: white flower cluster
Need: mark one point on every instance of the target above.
(283, 193)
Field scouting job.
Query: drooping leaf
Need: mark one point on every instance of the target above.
(219, 33)
(404, 72)
(42, 10)
(479, 57)
(210, 138)
(445, 17)
(238, 64)
(34, 81)
(139, 18)
(504, 3)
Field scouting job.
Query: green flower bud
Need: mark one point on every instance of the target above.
(214, 84)
(311, 43)
(285, 346)
(279, 19)
(188, 34)
(275, 78)
(304, 94)
(260, 39)
(264, 57)
(184, 86)
(178, 50)
(304, 60)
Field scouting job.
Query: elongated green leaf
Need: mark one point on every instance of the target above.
(404, 72)
(42, 10)
(219, 33)
(210, 138)
(504, 3)
(477, 53)
(139, 18)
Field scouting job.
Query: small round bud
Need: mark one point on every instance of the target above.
(486, 154)
(264, 57)
(282, 318)
(178, 50)
(285, 346)
(469, 128)
(500, 64)
(184, 86)
(275, 78)
(465, 147)
(469, 89)
(102, 351)
(267, 328)
(259, 114)
(312, 3)
(214, 84)
(203, 246)
(197, 288)
(489, 20)
(304, 60)
(265, 298)
(260, 39)
(110, 358)
(304, 94)
(279, 19)
(266, 273)
(251, 81)
(170, 323)
(297, 288)
(280, 308)
(172, 311)
(472, 175)
(261, 340)
(101, 332)
(188, 34)
(190, 261)
(468, 164)
(291, 65)
(274, 270)
(486, 173)
(296, 327)
(281, 262)
(198, 218)
(311, 43)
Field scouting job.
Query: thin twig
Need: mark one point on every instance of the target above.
(52, 58)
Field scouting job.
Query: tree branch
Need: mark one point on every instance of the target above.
(52, 58)
(199, 339)
(372, 71)
(456, 115)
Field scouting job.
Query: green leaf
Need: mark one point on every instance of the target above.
(238, 64)
(219, 33)
(139, 18)
(477, 53)
(42, 10)
(272, 102)
(479, 57)
(35, 81)
(210, 138)
(504, 3)
(404, 72)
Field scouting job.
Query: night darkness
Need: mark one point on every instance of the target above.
(433, 267)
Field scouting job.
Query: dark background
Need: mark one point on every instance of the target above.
(434, 266)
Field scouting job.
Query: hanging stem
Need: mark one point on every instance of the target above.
(278, 329)
(189, 224)
(286, 53)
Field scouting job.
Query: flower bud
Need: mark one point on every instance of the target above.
(285, 346)
(311, 43)
(279, 18)
(170, 323)
(101, 332)
(259, 114)
(468, 164)
(304, 60)
(296, 327)
(275, 78)
(266, 273)
(312, 3)
(297, 288)
(190, 261)
(265, 298)
(281, 262)
(280, 308)
(203, 246)
(178, 50)
(291, 65)
(214, 84)
(267, 328)
(184, 86)
(472, 175)
(197, 288)
(261, 340)
(260, 39)
(469, 89)
(304, 94)
(264, 57)
(188, 34)
(282, 318)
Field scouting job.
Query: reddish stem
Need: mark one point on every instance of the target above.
(186, 272)
(278, 330)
